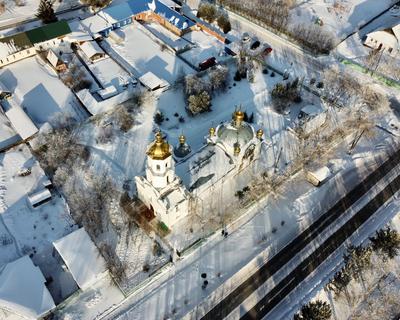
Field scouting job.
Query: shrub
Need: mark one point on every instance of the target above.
(207, 11)
(224, 23)
(199, 103)
(159, 117)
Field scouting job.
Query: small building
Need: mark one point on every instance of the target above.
(21, 122)
(318, 177)
(92, 51)
(55, 61)
(387, 39)
(152, 82)
(81, 257)
(23, 290)
(24, 44)
(108, 92)
(39, 197)
(122, 14)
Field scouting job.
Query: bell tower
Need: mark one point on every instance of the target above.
(160, 168)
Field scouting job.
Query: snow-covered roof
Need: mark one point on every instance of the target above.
(204, 168)
(82, 257)
(384, 37)
(320, 174)
(23, 290)
(39, 196)
(172, 198)
(53, 58)
(96, 24)
(151, 81)
(130, 8)
(171, 4)
(21, 122)
(8, 135)
(91, 48)
(108, 92)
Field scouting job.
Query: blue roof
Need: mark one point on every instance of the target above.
(127, 9)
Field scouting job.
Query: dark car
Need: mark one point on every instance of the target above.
(207, 63)
(255, 45)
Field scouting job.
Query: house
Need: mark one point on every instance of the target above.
(81, 257)
(18, 118)
(92, 51)
(55, 61)
(24, 44)
(152, 82)
(124, 13)
(387, 40)
(23, 290)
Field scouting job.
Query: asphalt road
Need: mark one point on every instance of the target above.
(237, 296)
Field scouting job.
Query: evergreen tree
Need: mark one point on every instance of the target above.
(318, 310)
(386, 243)
(340, 281)
(45, 11)
(357, 260)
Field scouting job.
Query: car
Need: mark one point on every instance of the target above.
(255, 45)
(210, 62)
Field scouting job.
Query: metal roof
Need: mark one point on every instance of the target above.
(48, 32)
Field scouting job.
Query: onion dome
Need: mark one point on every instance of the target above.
(159, 149)
(212, 131)
(238, 117)
(260, 134)
(182, 149)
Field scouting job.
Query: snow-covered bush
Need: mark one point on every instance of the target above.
(207, 11)
(219, 78)
(199, 103)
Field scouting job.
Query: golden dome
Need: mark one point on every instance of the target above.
(238, 117)
(260, 133)
(160, 149)
(182, 139)
(212, 131)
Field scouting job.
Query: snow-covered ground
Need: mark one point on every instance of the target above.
(27, 230)
(342, 17)
(148, 56)
(380, 280)
(15, 13)
(39, 90)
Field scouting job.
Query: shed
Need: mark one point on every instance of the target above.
(318, 176)
(310, 111)
(92, 50)
(21, 122)
(23, 290)
(55, 61)
(108, 92)
(152, 82)
(81, 257)
(39, 197)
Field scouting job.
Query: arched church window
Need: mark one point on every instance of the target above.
(158, 167)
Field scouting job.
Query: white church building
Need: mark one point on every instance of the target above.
(172, 191)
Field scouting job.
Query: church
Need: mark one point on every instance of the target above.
(176, 180)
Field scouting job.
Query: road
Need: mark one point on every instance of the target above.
(237, 296)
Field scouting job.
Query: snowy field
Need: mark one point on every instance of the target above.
(109, 73)
(148, 56)
(38, 90)
(15, 12)
(298, 205)
(342, 17)
(27, 230)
